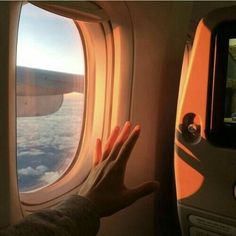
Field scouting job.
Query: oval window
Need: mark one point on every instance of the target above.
(50, 96)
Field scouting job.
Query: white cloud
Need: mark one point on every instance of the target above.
(50, 177)
(39, 170)
(31, 152)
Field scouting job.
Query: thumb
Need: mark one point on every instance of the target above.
(143, 190)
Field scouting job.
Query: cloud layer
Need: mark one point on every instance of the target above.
(46, 145)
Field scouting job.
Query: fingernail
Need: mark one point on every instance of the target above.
(117, 128)
(127, 123)
(99, 141)
(137, 128)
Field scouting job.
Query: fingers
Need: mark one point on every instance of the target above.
(118, 140)
(142, 191)
(110, 142)
(124, 134)
(129, 145)
(98, 152)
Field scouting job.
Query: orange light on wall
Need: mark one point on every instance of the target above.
(190, 179)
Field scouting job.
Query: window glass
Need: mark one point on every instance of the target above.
(50, 96)
(230, 99)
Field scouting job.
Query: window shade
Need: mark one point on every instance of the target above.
(76, 10)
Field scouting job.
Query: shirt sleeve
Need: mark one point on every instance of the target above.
(76, 216)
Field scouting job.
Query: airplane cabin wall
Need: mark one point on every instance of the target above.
(159, 39)
(10, 210)
(159, 31)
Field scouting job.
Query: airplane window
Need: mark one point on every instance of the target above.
(221, 118)
(50, 96)
(230, 97)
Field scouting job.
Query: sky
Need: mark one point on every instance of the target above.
(232, 42)
(48, 41)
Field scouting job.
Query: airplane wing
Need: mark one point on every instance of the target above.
(40, 92)
(35, 82)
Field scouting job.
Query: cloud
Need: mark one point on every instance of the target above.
(50, 177)
(30, 152)
(39, 170)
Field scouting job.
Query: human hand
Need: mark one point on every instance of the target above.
(104, 185)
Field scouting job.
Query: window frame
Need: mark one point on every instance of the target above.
(107, 101)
